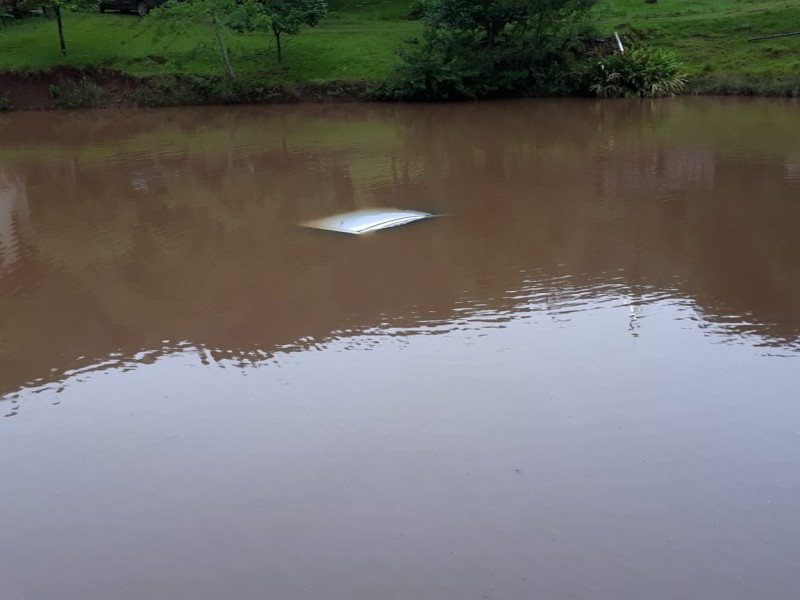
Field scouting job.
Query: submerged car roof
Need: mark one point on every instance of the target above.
(368, 220)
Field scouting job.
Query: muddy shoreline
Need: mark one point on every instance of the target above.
(73, 87)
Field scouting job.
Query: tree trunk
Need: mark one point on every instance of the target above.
(226, 61)
(60, 29)
(277, 33)
(491, 30)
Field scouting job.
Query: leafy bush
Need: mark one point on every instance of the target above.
(416, 10)
(492, 48)
(449, 65)
(83, 93)
(638, 73)
(176, 90)
(5, 14)
(444, 66)
(746, 85)
(186, 89)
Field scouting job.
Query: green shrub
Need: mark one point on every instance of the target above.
(5, 15)
(5, 103)
(451, 63)
(185, 89)
(638, 73)
(746, 85)
(444, 66)
(81, 93)
(176, 90)
(491, 48)
(416, 11)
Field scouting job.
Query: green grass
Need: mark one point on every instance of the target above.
(355, 45)
(358, 39)
(712, 36)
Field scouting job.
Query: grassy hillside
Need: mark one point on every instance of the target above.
(358, 39)
(712, 36)
(356, 43)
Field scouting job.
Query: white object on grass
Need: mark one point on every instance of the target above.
(619, 42)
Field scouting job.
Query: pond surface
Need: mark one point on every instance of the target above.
(582, 381)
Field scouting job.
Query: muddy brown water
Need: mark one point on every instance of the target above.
(583, 381)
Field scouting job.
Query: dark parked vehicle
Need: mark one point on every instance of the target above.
(142, 7)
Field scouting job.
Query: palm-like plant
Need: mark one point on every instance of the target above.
(638, 73)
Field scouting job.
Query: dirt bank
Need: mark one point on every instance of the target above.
(70, 87)
(45, 89)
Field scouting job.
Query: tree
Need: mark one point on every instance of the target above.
(494, 17)
(482, 48)
(487, 16)
(237, 15)
(287, 16)
(57, 6)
